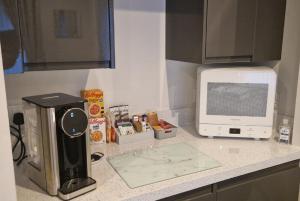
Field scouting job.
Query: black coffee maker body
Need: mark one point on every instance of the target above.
(57, 135)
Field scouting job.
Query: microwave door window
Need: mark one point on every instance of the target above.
(237, 99)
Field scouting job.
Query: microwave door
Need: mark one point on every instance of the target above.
(237, 99)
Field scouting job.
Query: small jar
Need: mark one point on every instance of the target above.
(284, 131)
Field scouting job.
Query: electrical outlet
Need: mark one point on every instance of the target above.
(12, 109)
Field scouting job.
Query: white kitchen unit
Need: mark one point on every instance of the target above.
(7, 183)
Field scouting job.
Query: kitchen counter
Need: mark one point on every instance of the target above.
(237, 156)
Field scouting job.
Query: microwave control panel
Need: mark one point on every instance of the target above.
(235, 131)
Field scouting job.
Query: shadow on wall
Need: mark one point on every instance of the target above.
(181, 82)
(180, 87)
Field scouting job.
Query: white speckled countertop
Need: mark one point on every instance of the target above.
(237, 156)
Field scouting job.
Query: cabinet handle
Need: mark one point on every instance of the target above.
(214, 60)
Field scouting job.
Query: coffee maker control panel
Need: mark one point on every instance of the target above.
(74, 122)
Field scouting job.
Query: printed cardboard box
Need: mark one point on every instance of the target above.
(95, 101)
(97, 130)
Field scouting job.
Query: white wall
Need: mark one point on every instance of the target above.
(289, 65)
(288, 84)
(296, 61)
(296, 137)
(141, 78)
(7, 179)
(178, 89)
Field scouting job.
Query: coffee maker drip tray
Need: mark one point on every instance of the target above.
(76, 187)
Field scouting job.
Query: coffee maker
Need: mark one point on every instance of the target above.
(59, 159)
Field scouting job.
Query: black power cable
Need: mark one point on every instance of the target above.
(18, 120)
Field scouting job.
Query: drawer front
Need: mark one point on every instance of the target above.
(201, 194)
(280, 186)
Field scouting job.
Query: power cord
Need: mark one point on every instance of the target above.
(18, 119)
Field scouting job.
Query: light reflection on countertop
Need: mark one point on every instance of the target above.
(237, 156)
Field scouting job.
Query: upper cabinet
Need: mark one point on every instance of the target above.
(56, 34)
(224, 31)
(10, 38)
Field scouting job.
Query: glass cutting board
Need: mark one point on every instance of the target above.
(142, 167)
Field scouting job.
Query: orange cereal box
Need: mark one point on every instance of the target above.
(95, 101)
(97, 130)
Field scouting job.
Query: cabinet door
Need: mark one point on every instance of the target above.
(280, 186)
(10, 37)
(230, 30)
(66, 34)
(184, 30)
(269, 30)
(201, 194)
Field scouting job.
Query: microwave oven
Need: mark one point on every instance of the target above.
(235, 102)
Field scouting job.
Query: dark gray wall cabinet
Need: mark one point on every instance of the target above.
(224, 31)
(279, 183)
(56, 35)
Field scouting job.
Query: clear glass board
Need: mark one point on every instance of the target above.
(143, 167)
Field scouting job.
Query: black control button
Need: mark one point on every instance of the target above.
(235, 131)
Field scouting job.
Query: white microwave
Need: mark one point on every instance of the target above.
(235, 102)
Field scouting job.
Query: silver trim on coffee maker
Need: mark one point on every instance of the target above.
(54, 175)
